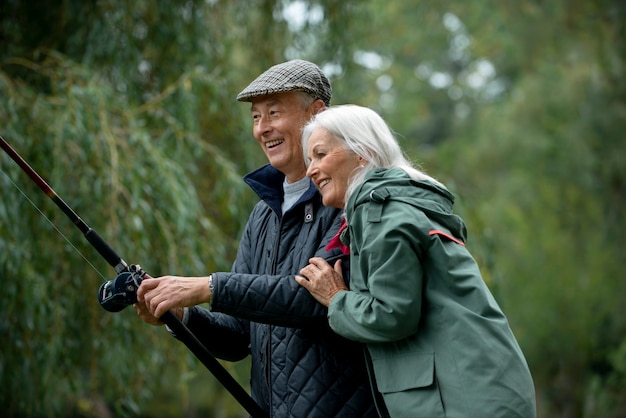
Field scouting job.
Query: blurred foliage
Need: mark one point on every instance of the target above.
(127, 109)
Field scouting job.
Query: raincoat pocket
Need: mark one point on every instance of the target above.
(398, 372)
(408, 384)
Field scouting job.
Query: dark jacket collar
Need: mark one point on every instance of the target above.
(267, 183)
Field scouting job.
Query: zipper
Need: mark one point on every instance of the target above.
(268, 337)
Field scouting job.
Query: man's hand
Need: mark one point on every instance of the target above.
(322, 280)
(146, 316)
(156, 296)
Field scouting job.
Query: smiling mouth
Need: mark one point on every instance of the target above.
(323, 183)
(273, 144)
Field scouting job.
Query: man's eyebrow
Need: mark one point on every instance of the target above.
(267, 105)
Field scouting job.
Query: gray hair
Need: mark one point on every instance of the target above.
(364, 132)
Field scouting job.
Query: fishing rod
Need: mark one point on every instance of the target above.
(114, 295)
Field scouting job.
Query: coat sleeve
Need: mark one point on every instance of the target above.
(385, 300)
(276, 299)
(247, 294)
(225, 336)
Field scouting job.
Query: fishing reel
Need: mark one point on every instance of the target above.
(121, 292)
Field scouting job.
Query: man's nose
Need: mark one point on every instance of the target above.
(262, 125)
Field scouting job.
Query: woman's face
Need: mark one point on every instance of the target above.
(331, 166)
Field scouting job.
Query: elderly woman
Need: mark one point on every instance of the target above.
(437, 342)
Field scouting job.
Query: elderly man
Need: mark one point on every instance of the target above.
(300, 368)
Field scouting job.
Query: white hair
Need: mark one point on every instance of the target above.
(364, 132)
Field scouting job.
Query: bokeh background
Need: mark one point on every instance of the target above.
(127, 108)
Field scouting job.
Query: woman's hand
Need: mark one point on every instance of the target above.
(322, 280)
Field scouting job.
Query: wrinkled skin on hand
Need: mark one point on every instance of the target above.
(322, 280)
(146, 316)
(155, 296)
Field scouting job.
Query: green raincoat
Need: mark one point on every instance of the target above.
(439, 344)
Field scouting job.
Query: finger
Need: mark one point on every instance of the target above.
(319, 262)
(142, 311)
(159, 304)
(146, 285)
(337, 267)
(310, 271)
(150, 302)
(157, 312)
(161, 309)
(151, 305)
(304, 282)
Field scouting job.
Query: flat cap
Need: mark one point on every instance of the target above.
(294, 75)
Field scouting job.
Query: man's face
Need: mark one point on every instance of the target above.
(278, 121)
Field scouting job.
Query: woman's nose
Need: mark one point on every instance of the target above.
(311, 170)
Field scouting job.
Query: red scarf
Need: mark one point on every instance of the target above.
(336, 241)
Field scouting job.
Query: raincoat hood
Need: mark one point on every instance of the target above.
(395, 184)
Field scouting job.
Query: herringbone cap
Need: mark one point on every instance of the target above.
(294, 75)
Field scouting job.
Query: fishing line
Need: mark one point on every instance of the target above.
(53, 225)
(114, 295)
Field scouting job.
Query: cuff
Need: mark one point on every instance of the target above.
(185, 320)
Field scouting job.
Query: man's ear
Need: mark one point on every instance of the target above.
(317, 106)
